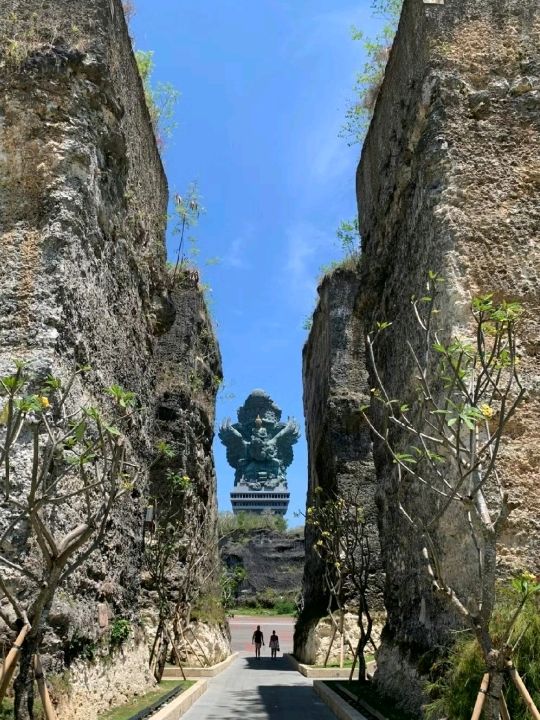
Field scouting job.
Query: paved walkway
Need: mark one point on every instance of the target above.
(259, 689)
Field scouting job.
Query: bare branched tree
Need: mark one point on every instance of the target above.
(179, 560)
(446, 443)
(64, 468)
(343, 545)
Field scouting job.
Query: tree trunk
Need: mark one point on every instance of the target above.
(492, 707)
(24, 684)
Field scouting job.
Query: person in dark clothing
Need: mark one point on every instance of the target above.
(257, 640)
(274, 644)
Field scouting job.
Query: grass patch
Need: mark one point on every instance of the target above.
(6, 709)
(373, 697)
(123, 712)
(266, 612)
(346, 663)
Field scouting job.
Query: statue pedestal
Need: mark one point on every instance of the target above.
(276, 501)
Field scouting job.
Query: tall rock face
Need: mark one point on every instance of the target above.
(449, 181)
(189, 374)
(83, 281)
(339, 444)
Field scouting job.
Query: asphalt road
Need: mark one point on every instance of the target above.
(259, 688)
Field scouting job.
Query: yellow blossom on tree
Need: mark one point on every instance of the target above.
(487, 411)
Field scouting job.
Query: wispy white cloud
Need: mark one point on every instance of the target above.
(239, 249)
(305, 244)
(322, 29)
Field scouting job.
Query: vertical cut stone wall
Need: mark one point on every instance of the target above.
(449, 181)
(339, 445)
(83, 281)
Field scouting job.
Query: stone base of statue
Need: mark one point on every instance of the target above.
(244, 499)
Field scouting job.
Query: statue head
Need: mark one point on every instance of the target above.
(259, 407)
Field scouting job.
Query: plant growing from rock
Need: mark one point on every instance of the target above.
(342, 544)
(64, 468)
(445, 441)
(188, 209)
(369, 81)
(161, 99)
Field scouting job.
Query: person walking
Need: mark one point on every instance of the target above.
(274, 644)
(257, 640)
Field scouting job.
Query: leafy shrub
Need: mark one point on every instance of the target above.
(208, 609)
(228, 522)
(369, 81)
(161, 99)
(458, 676)
(120, 631)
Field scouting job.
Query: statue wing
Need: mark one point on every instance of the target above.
(284, 441)
(234, 442)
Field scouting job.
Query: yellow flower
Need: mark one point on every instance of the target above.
(325, 533)
(487, 411)
(529, 576)
(44, 401)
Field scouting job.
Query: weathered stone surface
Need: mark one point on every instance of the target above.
(109, 681)
(188, 378)
(82, 256)
(339, 444)
(83, 281)
(319, 636)
(210, 644)
(271, 560)
(448, 181)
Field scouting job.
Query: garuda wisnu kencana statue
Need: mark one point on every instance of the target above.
(259, 445)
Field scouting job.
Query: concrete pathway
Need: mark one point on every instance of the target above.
(259, 689)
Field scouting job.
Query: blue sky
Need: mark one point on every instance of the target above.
(265, 85)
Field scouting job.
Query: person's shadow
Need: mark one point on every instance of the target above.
(268, 663)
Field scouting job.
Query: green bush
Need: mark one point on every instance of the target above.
(120, 631)
(271, 600)
(458, 676)
(208, 609)
(229, 523)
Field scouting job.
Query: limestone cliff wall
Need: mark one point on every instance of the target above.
(188, 377)
(82, 217)
(339, 444)
(83, 277)
(449, 181)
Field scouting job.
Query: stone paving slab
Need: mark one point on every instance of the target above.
(259, 689)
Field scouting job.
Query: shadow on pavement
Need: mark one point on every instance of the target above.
(268, 663)
(270, 702)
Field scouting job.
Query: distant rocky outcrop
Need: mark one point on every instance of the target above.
(273, 562)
